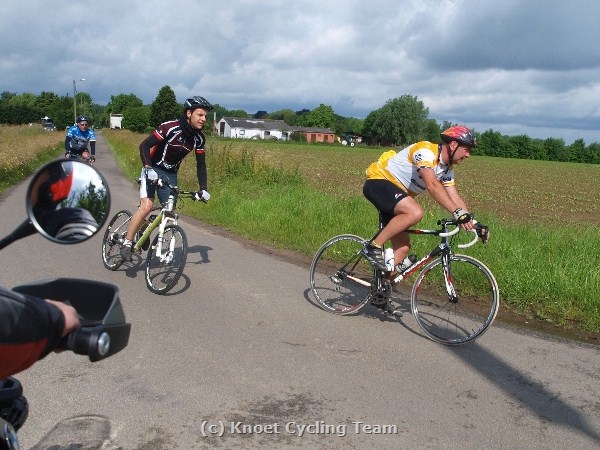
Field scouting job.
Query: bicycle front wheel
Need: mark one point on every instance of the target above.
(113, 238)
(165, 263)
(340, 277)
(457, 304)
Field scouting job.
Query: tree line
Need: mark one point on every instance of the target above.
(398, 122)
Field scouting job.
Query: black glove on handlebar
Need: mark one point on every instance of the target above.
(483, 231)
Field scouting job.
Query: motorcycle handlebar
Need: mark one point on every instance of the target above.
(104, 331)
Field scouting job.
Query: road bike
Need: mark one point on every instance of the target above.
(454, 298)
(168, 252)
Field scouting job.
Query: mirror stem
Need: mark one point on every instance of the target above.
(23, 230)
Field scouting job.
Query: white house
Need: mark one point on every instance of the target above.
(235, 127)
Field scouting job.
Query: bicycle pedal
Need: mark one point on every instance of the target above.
(397, 312)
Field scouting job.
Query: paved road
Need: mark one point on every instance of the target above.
(238, 357)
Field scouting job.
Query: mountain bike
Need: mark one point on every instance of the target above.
(79, 156)
(168, 252)
(454, 299)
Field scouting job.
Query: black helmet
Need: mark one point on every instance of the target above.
(460, 134)
(197, 102)
(82, 119)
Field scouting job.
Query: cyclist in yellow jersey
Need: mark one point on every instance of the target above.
(395, 179)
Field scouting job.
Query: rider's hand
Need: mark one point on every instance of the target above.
(483, 231)
(462, 216)
(71, 317)
(151, 174)
(202, 195)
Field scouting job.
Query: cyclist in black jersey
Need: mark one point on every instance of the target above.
(162, 153)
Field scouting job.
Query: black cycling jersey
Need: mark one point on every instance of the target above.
(170, 143)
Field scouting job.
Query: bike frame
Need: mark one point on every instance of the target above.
(443, 249)
(162, 219)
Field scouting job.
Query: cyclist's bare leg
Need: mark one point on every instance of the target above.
(138, 217)
(401, 246)
(407, 213)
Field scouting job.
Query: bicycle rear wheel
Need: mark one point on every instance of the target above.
(113, 238)
(463, 315)
(163, 271)
(340, 277)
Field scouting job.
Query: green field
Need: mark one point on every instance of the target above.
(544, 216)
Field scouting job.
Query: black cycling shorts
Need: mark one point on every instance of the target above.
(384, 195)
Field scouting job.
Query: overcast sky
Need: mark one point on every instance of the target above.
(514, 66)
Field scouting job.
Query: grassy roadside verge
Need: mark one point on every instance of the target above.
(23, 150)
(547, 273)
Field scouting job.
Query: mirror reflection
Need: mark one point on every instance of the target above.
(68, 201)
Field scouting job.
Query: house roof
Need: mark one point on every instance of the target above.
(312, 130)
(256, 124)
(268, 124)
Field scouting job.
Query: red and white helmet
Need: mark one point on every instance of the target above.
(460, 134)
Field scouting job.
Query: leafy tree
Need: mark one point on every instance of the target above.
(554, 148)
(136, 118)
(6, 96)
(578, 151)
(119, 103)
(489, 143)
(322, 117)
(369, 126)
(401, 121)
(94, 199)
(47, 100)
(347, 125)
(237, 113)
(62, 112)
(508, 149)
(522, 145)
(432, 131)
(594, 153)
(164, 107)
(287, 115)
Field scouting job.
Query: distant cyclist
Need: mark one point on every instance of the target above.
(78, 137)
(162, 153)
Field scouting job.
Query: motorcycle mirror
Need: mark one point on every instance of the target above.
(68, 201)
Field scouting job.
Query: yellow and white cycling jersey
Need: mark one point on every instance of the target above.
(402, 168)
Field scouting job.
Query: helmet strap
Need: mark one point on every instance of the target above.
(451, 153)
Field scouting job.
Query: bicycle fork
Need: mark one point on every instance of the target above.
(166, 257)
(448, 280)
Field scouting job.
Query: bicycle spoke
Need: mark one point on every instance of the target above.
(340, 277)
(455, 307)
(113, 237)
(165, 263)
